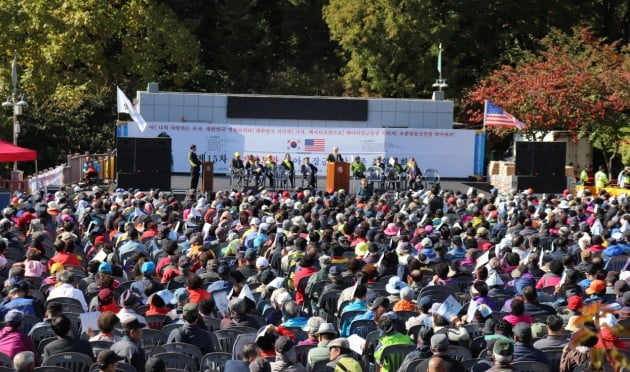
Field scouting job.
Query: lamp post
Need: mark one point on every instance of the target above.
(17, 103)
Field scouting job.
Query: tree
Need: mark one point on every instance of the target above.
(576, 82)
(72, 54)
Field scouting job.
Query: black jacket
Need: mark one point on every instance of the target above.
(68, 345)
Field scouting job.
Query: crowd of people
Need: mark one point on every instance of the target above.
(428, 280)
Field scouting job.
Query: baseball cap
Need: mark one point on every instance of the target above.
(128, 298)
(284, 344)
(132, 323)
(312, 325)
(340, 343)
(596, 287)
(503, 347)
(250, 254)
(575, 303)
(105, 267)
(378, 301)
(262, 262)
(148, 267)
(14, 316)
(439, 341)
(107, 357)
(180, 295)
(190, 309)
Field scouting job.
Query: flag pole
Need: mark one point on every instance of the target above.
(485, 111)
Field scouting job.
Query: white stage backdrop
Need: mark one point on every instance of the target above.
(451, 152)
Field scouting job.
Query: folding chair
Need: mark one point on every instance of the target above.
(226, 338)
(184, 348)
(529, 366)
(156, 321)
(153, 337)
(459, 353)
(214, 362)
(239, 343)
(179, 361)
(75, 362)
(301, 352)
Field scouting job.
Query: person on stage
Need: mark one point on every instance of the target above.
(309, 172)
(414, 174)
(195, 167)
(357, 167)
(335, 156)
(289, 168)
(256, 170)
(269, 165)
(238, 168)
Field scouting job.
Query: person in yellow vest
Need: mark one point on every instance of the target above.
(357, 167)
(289, 168)
(623, 179)
(584, 175)
(269, 166)
(601, 178)
(195, 167)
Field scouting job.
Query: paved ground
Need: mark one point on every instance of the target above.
(180, 183)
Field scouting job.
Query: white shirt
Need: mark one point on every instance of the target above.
(126, 313)
(68, 291)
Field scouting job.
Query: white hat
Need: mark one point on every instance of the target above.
(269, 220)
(264, 227)
(262, 263)
(426, 243)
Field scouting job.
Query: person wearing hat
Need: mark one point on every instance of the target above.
(286, 359)
(239, 317)
(439, 348)
(337, 282)
(247, 266)
(145, 285)
(190, 332)
(311, 328)
(390, 337)
(107, 361)
(523, 349)
(406, 297)
(17, 301)
(502, 355)
(340, 357)
(106, 302)
(179, 299)
(66, 340)
(596, 291)
(325, 333)
(178, 275)
(12, 339)
(128, 302)
(67, 289)
(130, 347)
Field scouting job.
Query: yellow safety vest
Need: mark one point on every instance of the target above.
(601, 179)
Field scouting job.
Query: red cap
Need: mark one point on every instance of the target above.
(99, 239)
(575, 303)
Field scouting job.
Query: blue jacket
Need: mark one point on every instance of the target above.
(616, 250)
(357, 305)
(25, 305)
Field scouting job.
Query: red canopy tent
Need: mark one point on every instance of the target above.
(11, 153)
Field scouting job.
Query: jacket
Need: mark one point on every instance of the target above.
(131, 352)
(13, 341)
(319, 353)
(524, 352)
(395, 338)
(68, 344)
(192, 334)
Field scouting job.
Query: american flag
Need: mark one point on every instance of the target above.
(495, 116)
(314, 145)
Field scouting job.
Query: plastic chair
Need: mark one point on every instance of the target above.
(151, 350)
(226, 338)
(40, 333)
(124, 367)
(239, 343)
(319, 366)
(406, 315)
(529, 366)
(48, 369)
(394, 355)
(75, 362)
(459, 353)
(184, 348)
(411, 367)
(301, 352)
(362, 327)
(212, 324)
(467, 364)
(167, 329)
(156, 321)
(430, 177)
(69, 305)
(553, 357)
(347, 317)
(153, 337)
(5, 360)
(374, 175)
(617, 263)
(474, 331)
(99, 346)
(244, 329)
(328, 305)
(478, 344)
(179, 361)
(42, 344)
(214, 362)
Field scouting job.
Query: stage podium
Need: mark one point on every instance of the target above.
(337, 176)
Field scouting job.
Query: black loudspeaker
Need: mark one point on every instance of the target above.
(126, 153)
(523, 165)
(541, 184)
(144, 163)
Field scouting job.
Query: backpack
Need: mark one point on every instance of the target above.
(347, 364)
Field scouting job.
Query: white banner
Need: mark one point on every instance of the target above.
(42, 180)
(450, 152)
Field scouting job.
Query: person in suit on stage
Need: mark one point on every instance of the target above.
(335, 156)
(238, 168)
(309, 172)
(195, 167)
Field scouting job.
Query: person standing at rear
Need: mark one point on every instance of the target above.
(195, 166)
